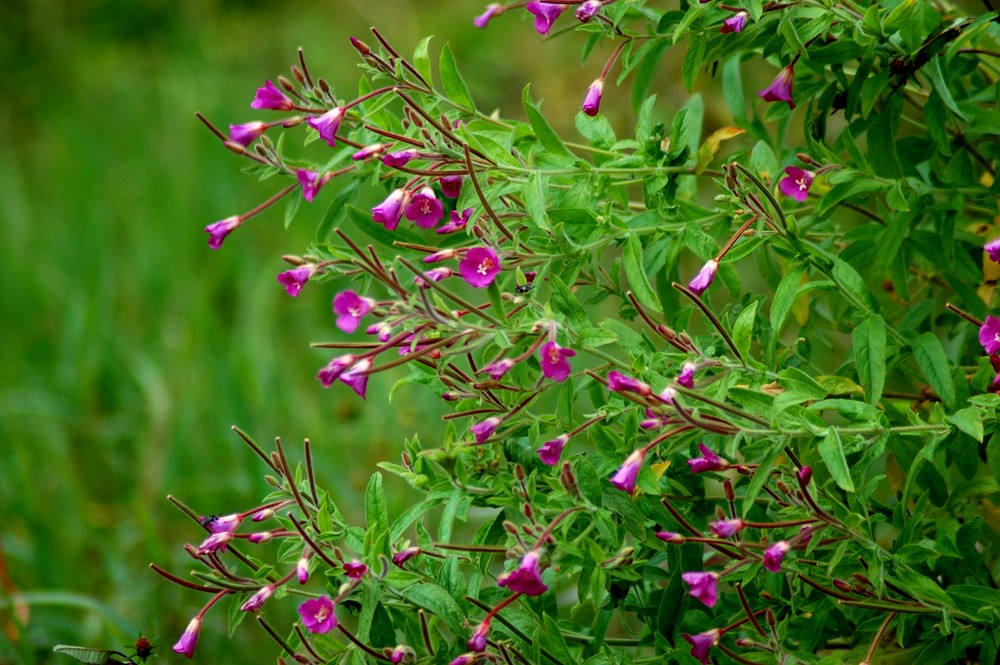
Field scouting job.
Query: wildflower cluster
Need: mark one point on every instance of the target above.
(748, 428)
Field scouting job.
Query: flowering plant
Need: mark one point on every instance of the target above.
(709, 408)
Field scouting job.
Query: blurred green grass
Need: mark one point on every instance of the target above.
(129, 348)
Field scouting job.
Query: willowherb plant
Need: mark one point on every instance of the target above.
(729, 413)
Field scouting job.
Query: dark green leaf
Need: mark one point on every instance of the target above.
(454, 86)
(636, 274)
(831, 450)
(869, 356)
(933, 363)
(543, 130)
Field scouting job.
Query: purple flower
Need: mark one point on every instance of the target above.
(671, 537)
(727, 528)
(262, 515)
(434, 275)
(621, 383)
(356, 377)
(425, 210)
(260, 537)
(456, 222)
(389, 211)
(221, 229)
(318, 615)
(258, 599)
(186, 644)
(295, 279)
(369, 151)
(804, 475)
(780, 89)
(480, 266)
(702, 642)
(993, 250)
(989, 335)
(350, 308)
(302, 569)
(708, 462)
(311, 183)
(774, 554)
(451, 186)
(465, 659)
(592, 102)
(551, 451)
(401, 557)
(668, 395)
(383, 329)
(215, 543)
(485, 428)
(625, 477)
(703, 586)
(526, 578)
(545, 14)
(355, 569)
(734, 23)
(686, 377)
(334, 369)
(477, 642)
(327, 125)
(483, 19)
(498, 369)
(400, 157)
(704, 277)
(247, 133)
(269, 97)
(399, 653)
(224, 524)
(587, 10)
(555, 361)
(796, 183)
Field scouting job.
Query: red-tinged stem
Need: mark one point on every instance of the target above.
(286, 471)
(534, 347)
(559, 518)
(696, 533)
(373, 93)
(277, 638)
(751, 616)
(592, 421)
(482, 197)
(465, 414)
(711, 317)
(736, 236)
(470, 548)
(506, 601)
(305, 642)
(184, 583)
(361, 645)
(965, 315)
(819, 587)
(253, 446)
(878, 638)
(422, 352)
(317, 550)
(309, 473)
(614, 56)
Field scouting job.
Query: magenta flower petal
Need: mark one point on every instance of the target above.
(477, 642)
(551, 451)
(483, 19)
(327, 125)
(293, 280)
(269, 97)
(401, 557)
(592, 102)
(350, 308)
(527, 577)
(334, 369)
(989, 335)
(626, 475)
(456, 222)
(727, 528)
(224, 524)
(480, 266)
(708, 462)
(774, 554)
(434, 275)
(620, 383)
(734, 23)
(258, 599)
(215, 543)
(369, 151)
(484, 429)
(704, 278)
(219, 230)
(247, 133)
(686, 377)
(780, 89)
(389, 211)
(993, 250)
(796, 183)
(702, 642)
(357, 378)
(545, 14)
(703, 586)
(318, 615)
(587, 10)
(400, 157)
(498, 369)
(451, 186)
(425, 210)
(355, 569)
(555, 361)
(311, 183)
(189, 640)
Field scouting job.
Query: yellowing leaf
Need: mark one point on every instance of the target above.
(659, 468)
(711, 145)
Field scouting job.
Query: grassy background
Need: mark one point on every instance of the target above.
(129, 348)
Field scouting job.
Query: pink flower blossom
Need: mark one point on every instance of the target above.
(355, 569)
(247, 133)
(620, 383)
(269, 97)
(334, 369)
(671, 537)
(703, 586)
(702, 642)
(369, 151)
(626, 475)
(527, 577)
(498, 369)
(451, 186)
(293, 280)
(494, 9)
(796, 183)
(555, 361)
(734, 23)
(425, 210)
(399, 653)
(311, 183)
(455, 221)
(434, 275)
(587, 10)
(465, 659)
(225, 524)
(668, 395)
(302, 569)
(727, 528)
(260, 537)
(708, 462)
(545, 14)
(400, 157)
(318, 615)
(215, 543)
(327, 125)
(551, 451)
(484, 429)
(592, 102)
(389, 211)
(993, 250)
(350, 308)
(989, 335)
(219, 230)
(704, 277)
(186, 644)
(774, 554)
(686, 377)
(780, 89)
(401, 557)
(804, 475)
(356, 377)
(258, 599)
(480, 266)
(477, 642)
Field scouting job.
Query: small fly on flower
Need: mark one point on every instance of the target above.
(142, 649)
(522, 289)
(208, 520)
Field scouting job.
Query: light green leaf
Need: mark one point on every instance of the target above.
(831, 450)
(869, 356)
(969, 420)
(454, 84)
(636, 274)
(743, 329)
(933, 363)
(543, 130)
(784, 297)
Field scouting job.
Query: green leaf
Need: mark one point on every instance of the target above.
(743, 329)
(831, 449)
(439, 603)
(454, 84)
(552, 636)
(91, 656)
(566, 302)
(534, 201)
(784, 297)
(422, 58)
(869, 356)
(933, 363)
(376, 513)
(761, 476)
(636, 273)
(969, 420)
(543, 130)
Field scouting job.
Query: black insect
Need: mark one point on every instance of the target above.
(209, 520)
(522, 289)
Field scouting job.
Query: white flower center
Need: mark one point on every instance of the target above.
(802, 183)
(484, 266)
